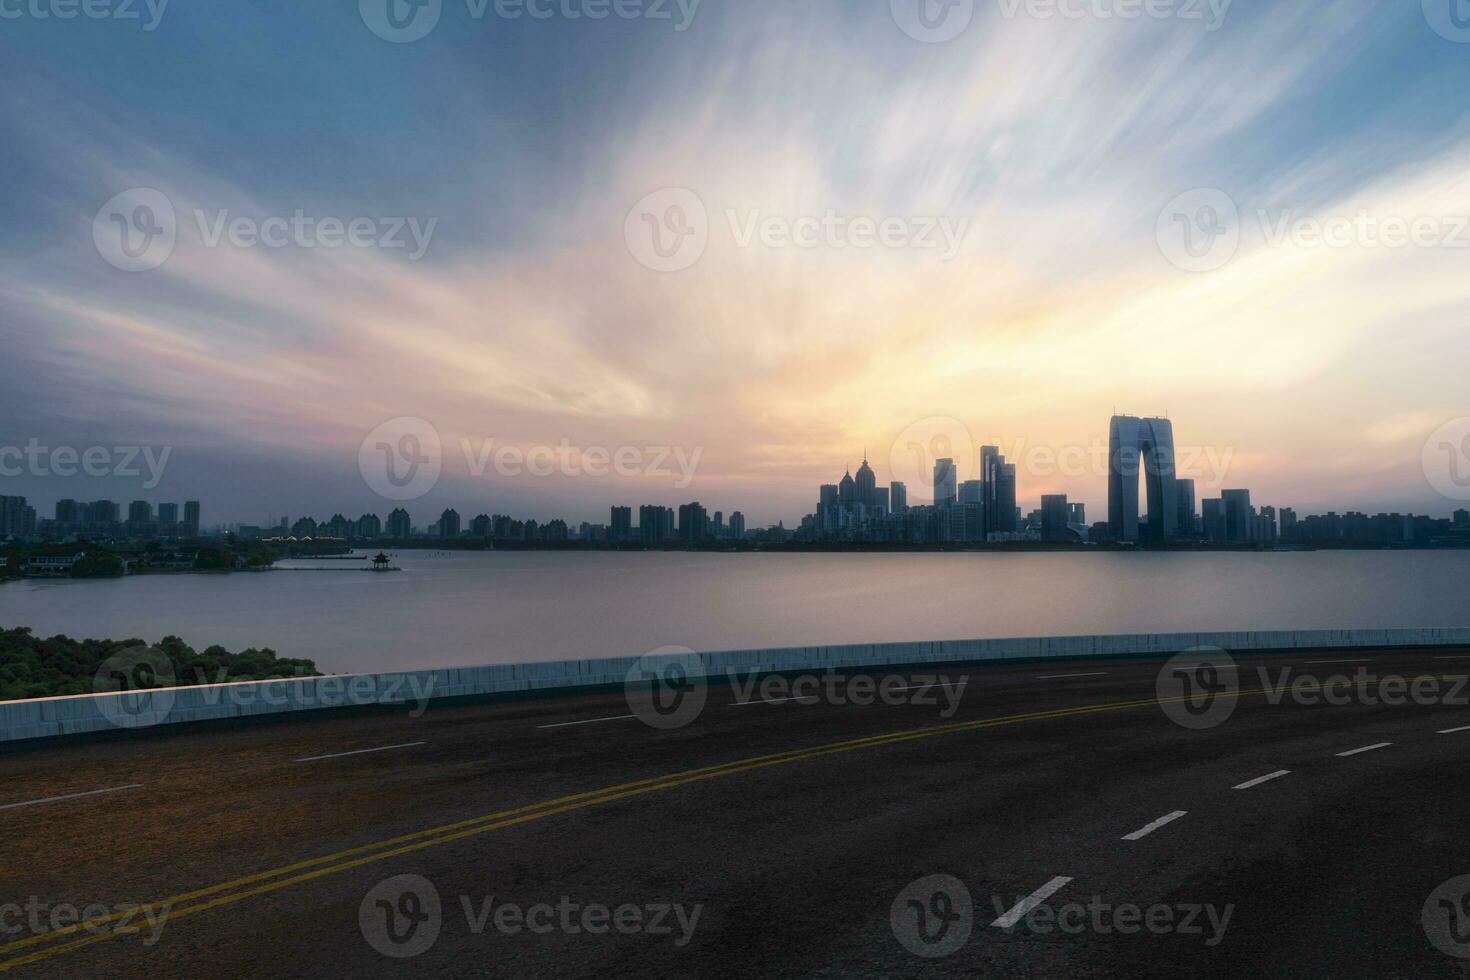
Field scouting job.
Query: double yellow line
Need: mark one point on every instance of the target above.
(96, 930)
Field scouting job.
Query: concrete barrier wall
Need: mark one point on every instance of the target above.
(48, 717)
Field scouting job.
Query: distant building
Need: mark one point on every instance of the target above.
(898, 497)
(693, 523)
(945, 487)
(1138, 446)
(400, 525)
(1187, 522)
(1239, 516)
(1055, 518)
(191, 519)
(448, 525)
(369, 527)
(1077, 514)
(620, 528)
(481, 527)
(304, 528)
(737, 525)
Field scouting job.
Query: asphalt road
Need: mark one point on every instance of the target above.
(802, 838)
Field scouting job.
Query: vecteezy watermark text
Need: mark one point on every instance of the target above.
(138, 230)
(670, 229)
(402, 917)
(148, 12)
(34, 459)
(37, 917)
(406, 21)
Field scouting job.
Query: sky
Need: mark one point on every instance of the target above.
(721, 250)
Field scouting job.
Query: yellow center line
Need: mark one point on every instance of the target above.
(395, 846)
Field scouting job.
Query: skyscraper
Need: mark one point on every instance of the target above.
(1143, 446)
(620, 528)
(737, 525)
(1005, 499)
(1055, 516)
(944, 482)
(191, 518)
(898, 497)
(1184, 492)
(1239, 515)
(865, 484)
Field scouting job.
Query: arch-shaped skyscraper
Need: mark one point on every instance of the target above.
(1151, 442)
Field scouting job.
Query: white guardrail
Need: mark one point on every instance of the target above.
(80, 714)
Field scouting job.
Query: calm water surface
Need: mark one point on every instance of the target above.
(463, 608)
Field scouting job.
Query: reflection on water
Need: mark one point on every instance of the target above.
(460, 608)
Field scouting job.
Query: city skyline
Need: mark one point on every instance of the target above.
(528, 320)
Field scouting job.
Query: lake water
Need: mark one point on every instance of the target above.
(465, 608)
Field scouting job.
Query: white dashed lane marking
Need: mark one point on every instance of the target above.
(69, 796)
(1366, 748)
(1144, 831)
(1251, 783)
(1024, 907)
(339, 755)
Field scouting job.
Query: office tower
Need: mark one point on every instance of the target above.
(898, 497)
(693, 522)
(1185, 496)
(880, 500)
(1266, 530)
(1077, 514)
(655, 523)
(449, 524)
(944, 482)
(369, 527)
(972, 492)
(1214, 519)
(847, 492)
(68, 514)
(737, 525)
(191, 518)
(400, 525)
(1055, 516)
(865, 484)
(1142, 446)
(1288, 523)
(1005, 500)
(620, 527)
(829, 495)
(1238, 515)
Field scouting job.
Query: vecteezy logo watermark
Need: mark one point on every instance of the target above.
(1103, 918)
(143, 679)
(860, 690)
(666, 462)
(37, 918)
(401, 916)
(1449, 18)
(1199, 231)
(1210, 13)
(918, 450)
(1199, 688)
(405, 21)
(135, 231)
(1446, 460)
(933, 917)
(667, 688)
(932, 21)
(668, 230)
(401, 459)
(90, 9)
(1446, 917)
(35, 459)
